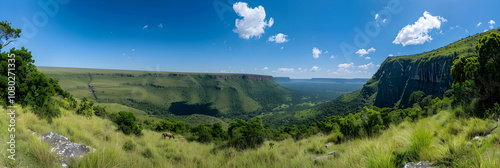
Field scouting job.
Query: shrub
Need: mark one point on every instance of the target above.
(128, 146)
(127, 123)
(147, 153)
(86, 108)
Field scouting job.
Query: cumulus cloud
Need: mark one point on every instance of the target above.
(278, 38)
(391, 55)
(366, 66)
(314, 69)
(376, 16)
(479, 24)
(285, 70)
(368, 57)
(385, 20)
(282, 48)
(145, 27)
(253, 23)
(265, 68)
(491, 22)
(418, 33)
(345, 67)
(332, 57)
(362, 52)
(316, 52)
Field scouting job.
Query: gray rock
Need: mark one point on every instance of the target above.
(468, 143)
(410, 165)
(422, 164)
(476, 138)
(64, 148)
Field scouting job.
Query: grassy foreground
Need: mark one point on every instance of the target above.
(440, 139)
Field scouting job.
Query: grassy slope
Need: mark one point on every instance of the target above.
(229, 97)
(368, 95)
(434, 138)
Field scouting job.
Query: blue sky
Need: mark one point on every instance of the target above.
(279, 38)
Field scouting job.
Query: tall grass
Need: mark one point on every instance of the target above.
(440, 138)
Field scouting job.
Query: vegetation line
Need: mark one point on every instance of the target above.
(91, 89)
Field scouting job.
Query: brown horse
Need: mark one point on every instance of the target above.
(169, 135)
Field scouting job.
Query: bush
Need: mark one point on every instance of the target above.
(86, 108)
(147, 153)
(127, 123)
(335, 137)
(128, 146)
(244, 135)
(100, 111)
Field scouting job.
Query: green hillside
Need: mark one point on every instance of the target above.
(398, 77)
(163, 94)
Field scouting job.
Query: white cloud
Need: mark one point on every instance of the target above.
(362, 52)
(325, 52)
(265, 68)
(345, 67)
(253, 23)
(160, 25)
(491, 22)
(417, 33)
(368, 57)
(376, 16)
(366, 66)
(316, 52)
(332, 57)
(282, 48)
(278, 38)
(285, 70)
(133, 49)
(479, 24)
(391, 55)
(314, 69)
(385, 20)
(146, 26)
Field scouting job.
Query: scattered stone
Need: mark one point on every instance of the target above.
(320, 158)
(468, 143)
(476, 138)
(410, 165)
(64, 148)
(422, 164)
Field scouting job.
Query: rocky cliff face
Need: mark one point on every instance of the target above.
(398, 78)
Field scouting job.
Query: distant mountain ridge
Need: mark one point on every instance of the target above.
(398, 77)
(165, 94)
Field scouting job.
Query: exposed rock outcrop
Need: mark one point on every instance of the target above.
(64, 148)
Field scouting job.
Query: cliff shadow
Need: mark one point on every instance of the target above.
(182, 108)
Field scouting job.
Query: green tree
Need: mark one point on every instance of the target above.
(86, 108)
(127, 123)
(244, 135)
(7, 33)
(416, 97)
(488, 80)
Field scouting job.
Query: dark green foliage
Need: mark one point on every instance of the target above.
(488, 80)
(127, 123)
(32, 88)
(209, 132)
(100, 111)
(416, 97)
(86, 108)
(170, 125)
(129, 146)
(243, 135)
(147, 153)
